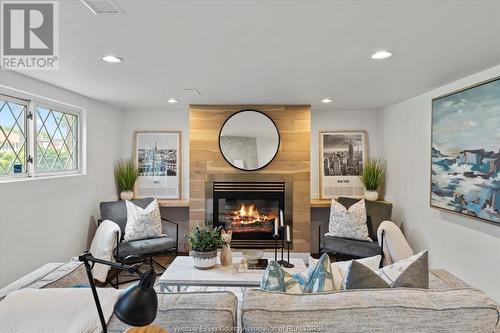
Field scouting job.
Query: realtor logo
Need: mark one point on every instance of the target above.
(30, 35)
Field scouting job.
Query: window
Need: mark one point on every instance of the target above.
(56, 141)
(12, 136)
(38, 139)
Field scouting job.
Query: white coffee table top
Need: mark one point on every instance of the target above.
(181, 272)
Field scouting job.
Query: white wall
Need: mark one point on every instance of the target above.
(466, 247)
(168, 119)
(326, 120)
(47, 220)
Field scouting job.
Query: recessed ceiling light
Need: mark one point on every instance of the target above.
(172, 100)
(380, 55)
(111, 59)
(326, 100)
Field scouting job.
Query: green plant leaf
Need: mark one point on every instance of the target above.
(126, 175)
(373, 173)
(205, 238)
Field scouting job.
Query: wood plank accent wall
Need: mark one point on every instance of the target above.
(293, 158)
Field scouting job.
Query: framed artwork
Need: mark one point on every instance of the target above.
(341, 158)
(158, 158)
(465, 152)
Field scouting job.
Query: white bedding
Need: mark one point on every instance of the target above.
(55, 310)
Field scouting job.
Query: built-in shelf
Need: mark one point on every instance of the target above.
(315, 203)
(326, 203)
(320, 203)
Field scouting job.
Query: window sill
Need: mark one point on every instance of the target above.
(25, 179)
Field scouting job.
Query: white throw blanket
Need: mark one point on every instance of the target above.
(396, 246)
(102, 247)
(55, 310)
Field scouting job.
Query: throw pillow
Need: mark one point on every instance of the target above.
(362, 277)
(317, 278)
(348, 223)
(340, 269)
(412, 273)
(275, 278)
(143, 223)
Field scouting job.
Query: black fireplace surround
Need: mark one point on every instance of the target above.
(249, 209)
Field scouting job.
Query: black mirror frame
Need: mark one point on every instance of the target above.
(277, 131)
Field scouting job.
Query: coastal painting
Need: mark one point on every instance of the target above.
(465, 153)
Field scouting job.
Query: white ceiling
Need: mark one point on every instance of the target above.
(273, 52)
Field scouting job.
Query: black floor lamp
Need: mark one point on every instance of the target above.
(138, 304)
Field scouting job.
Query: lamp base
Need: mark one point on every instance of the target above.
(285, 264)
(147, 329)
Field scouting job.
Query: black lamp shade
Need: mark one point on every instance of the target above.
(138, 304)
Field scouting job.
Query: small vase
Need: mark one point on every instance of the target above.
(371, 195)
(127, 195)
(204, 259)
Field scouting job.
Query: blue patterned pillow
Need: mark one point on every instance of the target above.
(317, 279)
(275, 278)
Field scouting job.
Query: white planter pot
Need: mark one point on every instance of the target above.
(204, 260)
(127, 195)
(371, 195)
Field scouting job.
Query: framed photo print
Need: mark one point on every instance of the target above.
(465, 152)
(342, 156)
(158, 158)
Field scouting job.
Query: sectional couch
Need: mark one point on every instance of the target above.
(449, 305)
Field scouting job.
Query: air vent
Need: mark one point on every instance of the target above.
(103, 7)
(191, 92)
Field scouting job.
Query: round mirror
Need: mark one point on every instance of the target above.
(249, 140)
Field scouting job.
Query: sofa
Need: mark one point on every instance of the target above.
(213, 312)
(177, 312)
(449, 305)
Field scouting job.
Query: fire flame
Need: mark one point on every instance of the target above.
(248, 214)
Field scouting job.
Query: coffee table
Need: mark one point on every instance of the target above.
(182, 273)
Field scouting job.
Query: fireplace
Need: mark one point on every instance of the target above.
(248, 209)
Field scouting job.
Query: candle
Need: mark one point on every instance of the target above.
(282, 220)
(287, 233)
(276, 226)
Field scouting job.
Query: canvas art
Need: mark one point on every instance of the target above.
(465, 175)
(157, 157)
(342, 155)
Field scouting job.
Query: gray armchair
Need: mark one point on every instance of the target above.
(376, 211)
(138, 250)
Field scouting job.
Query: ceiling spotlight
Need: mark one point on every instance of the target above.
(380, 55)
(326, 100)
(111, 59)
(172, 100)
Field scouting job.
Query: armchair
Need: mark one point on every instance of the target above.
(377, 211)
(137, 250)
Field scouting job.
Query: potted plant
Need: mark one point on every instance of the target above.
(373, 176)
(126, 174)
(204, 243)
